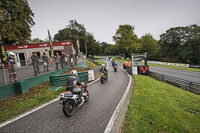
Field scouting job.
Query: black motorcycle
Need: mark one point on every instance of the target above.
(115, 68)
(70, 100)
(103, 77)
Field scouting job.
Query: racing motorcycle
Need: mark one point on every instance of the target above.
(103, 77)
(115, 68)
(70, 100)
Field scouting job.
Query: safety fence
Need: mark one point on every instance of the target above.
(184, 84)
(57, 81)
(129, 70)
(24, 85)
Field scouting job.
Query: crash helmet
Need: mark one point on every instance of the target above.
(11, 55)
(103, 65)
(74, 73)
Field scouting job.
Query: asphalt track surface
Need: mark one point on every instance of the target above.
(92, 117)
(182, 74)
(187, 75)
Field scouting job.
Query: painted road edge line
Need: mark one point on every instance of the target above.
(117, 110)
(35, 109)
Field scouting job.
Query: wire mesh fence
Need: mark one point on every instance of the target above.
(27, 71)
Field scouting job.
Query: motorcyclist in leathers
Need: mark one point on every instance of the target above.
(103, 69)
(11, 68)
(72, 82)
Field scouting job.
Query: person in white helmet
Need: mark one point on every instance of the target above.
(73, 81)
(103, 69)
(11, 68)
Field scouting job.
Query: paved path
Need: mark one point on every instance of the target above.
(92, 117)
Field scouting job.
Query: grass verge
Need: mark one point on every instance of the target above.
(91, 64)
(36, 96)
(159, 107)
(101, 62)
(175, 67)
(120, 60)
(23, 102)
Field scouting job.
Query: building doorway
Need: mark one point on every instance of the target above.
(22, 59)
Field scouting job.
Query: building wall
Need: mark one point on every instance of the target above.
(28, 53)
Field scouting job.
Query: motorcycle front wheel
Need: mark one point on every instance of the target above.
(87, 97)
(68, 108)
(101, 80)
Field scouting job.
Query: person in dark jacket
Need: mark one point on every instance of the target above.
(62, 59)
(45, 61)
(103, 69)
(57, 59)
(35, 62)
(72, 82)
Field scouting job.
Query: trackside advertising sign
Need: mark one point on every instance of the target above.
(3, 53)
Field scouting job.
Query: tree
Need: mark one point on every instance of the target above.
(103, 46)
(181, 44)
(35, 40)
(171, 42)
(16, 19)
(75, 31)
(126, 40)
(149, 45)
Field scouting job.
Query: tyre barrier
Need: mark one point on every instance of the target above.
(57, 81)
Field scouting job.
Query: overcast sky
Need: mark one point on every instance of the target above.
(103, 17)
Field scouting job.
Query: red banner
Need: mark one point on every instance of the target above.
(37, 45)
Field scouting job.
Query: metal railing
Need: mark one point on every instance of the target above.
(184, 84)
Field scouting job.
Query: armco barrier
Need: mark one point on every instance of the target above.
(24, 85)
(59, 80)
(129, 70)
(184, 84)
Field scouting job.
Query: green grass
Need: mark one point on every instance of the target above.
(101, 62)
(158, 107)
(34, 97)
(91, 64)
(120, 60)
(24, 102)
(175, 67)
(100, 57)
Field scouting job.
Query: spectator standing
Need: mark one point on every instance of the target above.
(35, 62)
(62, 59)
(57, 59)
(71, 59)
(67, 58)
(45, 62)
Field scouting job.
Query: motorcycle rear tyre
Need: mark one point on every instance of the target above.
(68, 108)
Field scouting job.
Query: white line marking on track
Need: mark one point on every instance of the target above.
(117, 110)
(33, 110)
